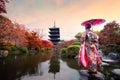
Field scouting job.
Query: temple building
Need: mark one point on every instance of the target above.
(54, 34)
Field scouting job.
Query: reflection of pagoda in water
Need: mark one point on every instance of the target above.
(54, 34)
(54, 65)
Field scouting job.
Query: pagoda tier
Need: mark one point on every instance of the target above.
(54, 36)
(55, 42)
(54, 39)
(54, 32)
(54, 29)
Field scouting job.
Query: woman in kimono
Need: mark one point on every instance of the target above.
(91, 49)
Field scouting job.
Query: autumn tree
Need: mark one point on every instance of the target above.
(19, 36)
(110, 38)
(3, 6)
(6, 29)
(46, 44)
(15, 34)
(110, 34)
(33, 39)
(25, 37)
(67, 43)
(11, 33)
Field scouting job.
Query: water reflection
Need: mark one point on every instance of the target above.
(54, 64)
(72, 63)
(12, 69)
(104, 70)
(47, 66)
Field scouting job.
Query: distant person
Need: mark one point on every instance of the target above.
(90, 39)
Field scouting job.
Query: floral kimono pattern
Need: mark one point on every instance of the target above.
(91, 47)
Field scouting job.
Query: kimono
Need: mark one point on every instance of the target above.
(89, 51)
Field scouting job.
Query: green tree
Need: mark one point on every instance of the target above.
(78, 36)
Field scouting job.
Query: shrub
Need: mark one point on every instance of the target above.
(117, 49)
(24, 50)
(110, 48)
(13, 48)
(64, 51)
(76, 43)
(73, 50)
(65, 46)
(8, 48)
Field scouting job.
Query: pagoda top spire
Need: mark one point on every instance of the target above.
(54, 24)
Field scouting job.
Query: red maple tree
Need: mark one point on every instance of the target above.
(3, 6)
(110, 34)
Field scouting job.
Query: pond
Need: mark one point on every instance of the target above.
(47, 67)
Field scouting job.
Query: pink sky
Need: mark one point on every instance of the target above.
(68, 14)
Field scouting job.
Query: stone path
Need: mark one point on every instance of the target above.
(85, 74)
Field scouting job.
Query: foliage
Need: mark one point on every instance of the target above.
(6, 29)
(17, 35)
(20, 35)
(111, 48)
(13, 48)
(67, 43)
(24, 49)
(110, 37)
(64, 51)
(117, 49)
(8, 48)
(78, 36)
(46, 44)
(3, 6)
(76, 43)
(97, 32)
(32, 39)
(110, 34)
(72, 50)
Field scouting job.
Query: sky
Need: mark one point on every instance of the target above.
(68, 15)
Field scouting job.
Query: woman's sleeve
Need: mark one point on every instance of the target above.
(94, 37)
